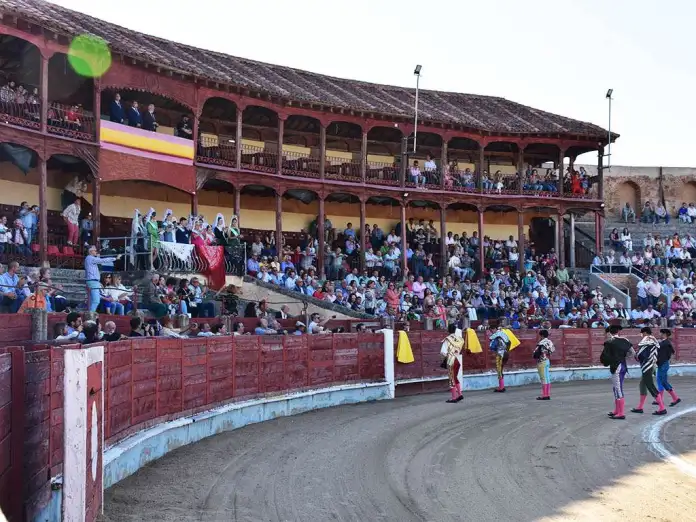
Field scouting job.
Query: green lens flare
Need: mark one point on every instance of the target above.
(89, 56)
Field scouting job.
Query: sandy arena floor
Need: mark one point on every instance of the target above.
(490, 458)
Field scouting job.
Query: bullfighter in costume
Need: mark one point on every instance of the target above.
(542, 354)
(647, 358)
(664, 354)
(452, 348)
(614, 354)
(501, 342)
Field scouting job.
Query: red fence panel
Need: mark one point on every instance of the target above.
(413, 370)
(345, 360)
(371, 356)
(296, 361)
(246, 366)
(194, 372)
(321, 363)
(220, 369)
(271, 364)
(685, 344)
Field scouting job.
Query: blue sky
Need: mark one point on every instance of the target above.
(556, 55)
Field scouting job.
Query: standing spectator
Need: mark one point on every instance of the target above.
(133, 115)
(21, 238)
(116, 109)
(183, 129)
(110, 333)
(87, 227)
(29, 217)
(92, 262)
(9, 287)
(71, 215)
(149, 119)
(74, 190)
(183, 234)
(5, 234)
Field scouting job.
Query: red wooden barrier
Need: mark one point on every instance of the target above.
(152, 380)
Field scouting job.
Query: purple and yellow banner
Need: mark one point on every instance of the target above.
(121, 138)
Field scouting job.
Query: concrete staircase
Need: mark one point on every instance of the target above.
(639, 230)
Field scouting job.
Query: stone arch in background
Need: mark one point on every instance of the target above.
(687, 193)
(628, 192)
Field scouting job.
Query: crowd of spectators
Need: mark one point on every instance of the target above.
(34, 290)
(17, 235)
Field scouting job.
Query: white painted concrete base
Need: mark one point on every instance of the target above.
(484, 381)
(129, 455)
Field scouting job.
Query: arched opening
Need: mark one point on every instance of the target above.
(71, 99)
(20, 99)
(218, 133)
(259, 139)
(500, 174)
(384, 155)
(301, 154)
(147, 111)
(463, 169)
(425, 165)
(345, 137)
(687, 194)
(629, 192)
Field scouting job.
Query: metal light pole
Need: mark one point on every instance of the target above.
(416, 71)
(609, 98)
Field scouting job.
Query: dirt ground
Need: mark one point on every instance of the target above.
(490, 458)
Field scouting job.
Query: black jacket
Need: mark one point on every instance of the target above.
(615, 352)
(665, 352)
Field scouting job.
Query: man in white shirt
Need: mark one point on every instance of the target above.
(416, 176)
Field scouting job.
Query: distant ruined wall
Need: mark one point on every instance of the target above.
(640, 184)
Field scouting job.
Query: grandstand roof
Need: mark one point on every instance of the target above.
(485, 113)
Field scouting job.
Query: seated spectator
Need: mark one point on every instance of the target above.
(416, 176)
(199, 307)
(648, 214)
(683, 214)
(110, 333)
(262, 328)
(91, 332)
(62, 334)
(9, 287)
(183, 129)
(661, 213)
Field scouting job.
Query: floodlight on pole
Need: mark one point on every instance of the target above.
(610, 92)
(417, 72)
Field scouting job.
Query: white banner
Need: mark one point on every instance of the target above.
(181, 251)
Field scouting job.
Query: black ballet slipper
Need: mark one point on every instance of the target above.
(460, 398)
(661, 412)
(451, 401)
(618, 417)
(637, 410)
(499, 390)
(654, 403)
(675, 402)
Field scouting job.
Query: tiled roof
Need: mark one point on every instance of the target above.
(486, 113)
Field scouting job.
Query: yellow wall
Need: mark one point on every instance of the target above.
(117, 200)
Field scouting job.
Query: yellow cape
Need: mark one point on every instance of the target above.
(404, 354)
(514, 341)
(472, 341)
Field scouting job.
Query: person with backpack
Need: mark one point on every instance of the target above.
(542, 355)
(664, 354)
(616, 350)
(647, 358)
(500, 344)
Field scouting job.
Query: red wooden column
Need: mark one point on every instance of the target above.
(363, 237)
(44, 95)
(97, 110)
(279, 224)
(561, 157)
(238, 204)
(96, 212)
(443, 163)
(321, 232)
(480, 247)
(363, 157)
(238, 138)
(194, 204)
(443, 242)
(520, 168)
(598, 243)
(482, 165)
(43, 208)
(561, 240)
(322, 151)
(279, 159)
(196, 122)
(520, 239)
(600, 172)
(404, 263)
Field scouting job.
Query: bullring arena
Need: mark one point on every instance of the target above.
(213, 367)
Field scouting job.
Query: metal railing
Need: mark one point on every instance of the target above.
(25, 114)
(257, 158)
(71, 122)
(216, 151)
(301, 165)
(382, 173)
